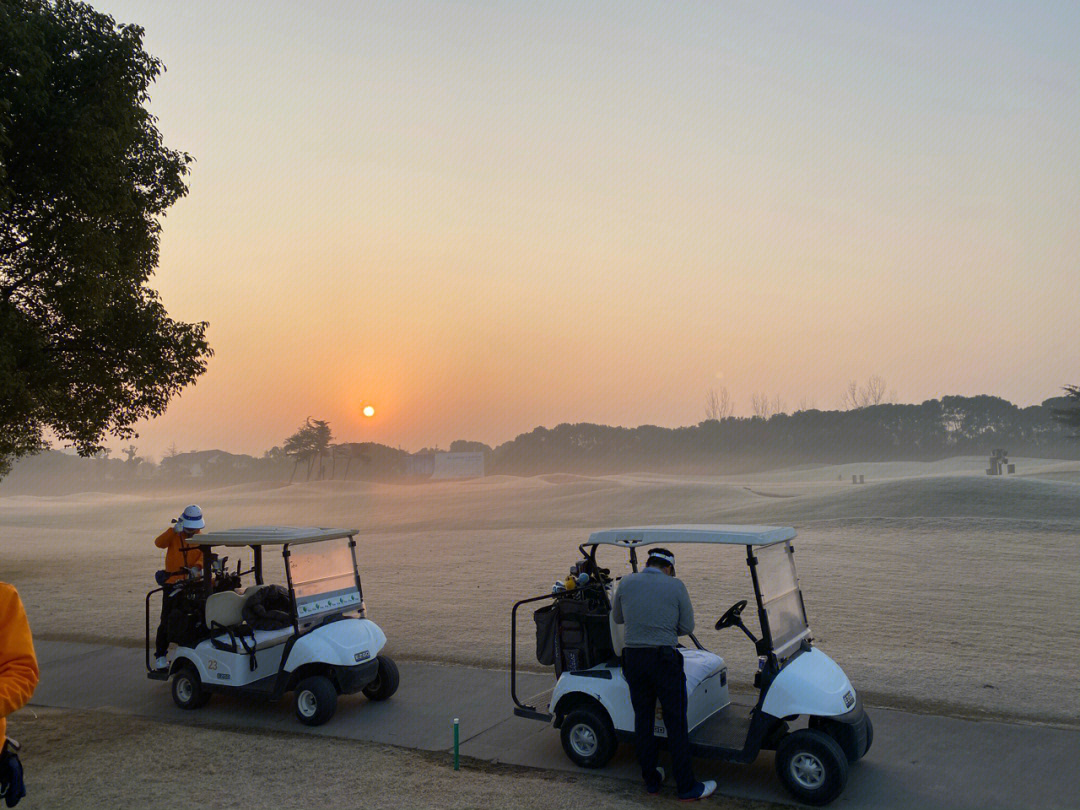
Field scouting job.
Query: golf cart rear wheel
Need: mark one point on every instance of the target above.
(869, 736)
(187, 690)
(386, 682)
(316, 700)
(812, 766)
(588, 738)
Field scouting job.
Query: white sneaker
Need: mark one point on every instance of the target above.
(161, 662)
(708, 787)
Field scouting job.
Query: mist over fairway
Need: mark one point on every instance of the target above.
(936, 586)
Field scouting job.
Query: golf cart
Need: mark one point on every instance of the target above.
(590, 702)
(318, 644)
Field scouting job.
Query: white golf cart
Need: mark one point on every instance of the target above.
(323, 647)
(590, 702)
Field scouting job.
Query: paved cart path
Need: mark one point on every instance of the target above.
(917, 761)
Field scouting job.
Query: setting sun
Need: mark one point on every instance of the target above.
(369, 410)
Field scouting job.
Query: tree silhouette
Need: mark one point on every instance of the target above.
(856, 396)
(760, 405)
(1070, 414)
(350, 451)
(718, 404)
(310, 443)
(86, 347)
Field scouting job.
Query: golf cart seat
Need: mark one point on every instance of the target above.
(227, 607)
(225, 610)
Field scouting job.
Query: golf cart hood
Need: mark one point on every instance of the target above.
(342, 643)
(810, 683)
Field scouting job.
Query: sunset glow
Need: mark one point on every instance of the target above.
(508, 215)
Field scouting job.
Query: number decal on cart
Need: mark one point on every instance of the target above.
(211, 664)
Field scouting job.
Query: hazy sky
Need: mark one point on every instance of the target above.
(483, 217)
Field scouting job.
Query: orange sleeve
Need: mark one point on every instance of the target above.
(165, 538)
(18, 664)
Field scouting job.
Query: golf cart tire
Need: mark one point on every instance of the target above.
(315, 699)
(812, 766)
(386, 682)
(588, 737)
(187, 690)
(869, 736)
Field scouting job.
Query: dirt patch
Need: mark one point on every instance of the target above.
(98, 760)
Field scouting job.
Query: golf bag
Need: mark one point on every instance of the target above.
(573, 632)
(186, 625)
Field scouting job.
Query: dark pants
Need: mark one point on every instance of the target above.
(652, 673)
(161, 643)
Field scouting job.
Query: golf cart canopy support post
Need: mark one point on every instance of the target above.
(356, 568)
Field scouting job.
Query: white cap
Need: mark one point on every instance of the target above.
(192, 518)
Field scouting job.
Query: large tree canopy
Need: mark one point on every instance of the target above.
(86, 347)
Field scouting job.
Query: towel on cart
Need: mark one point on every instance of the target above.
(699, 665)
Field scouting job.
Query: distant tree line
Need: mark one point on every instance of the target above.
(935, 429)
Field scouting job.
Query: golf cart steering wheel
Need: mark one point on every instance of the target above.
(731, 615)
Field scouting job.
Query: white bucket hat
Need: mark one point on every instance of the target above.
(192, 518)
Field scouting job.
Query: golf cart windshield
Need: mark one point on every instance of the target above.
(324, 578)
(781, 597)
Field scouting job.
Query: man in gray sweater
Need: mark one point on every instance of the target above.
(656, 610)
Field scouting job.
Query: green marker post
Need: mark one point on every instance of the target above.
(455, 744)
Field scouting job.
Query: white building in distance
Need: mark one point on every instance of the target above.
(446, 465)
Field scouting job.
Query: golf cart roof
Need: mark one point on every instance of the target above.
(270, 536)
(662, 535)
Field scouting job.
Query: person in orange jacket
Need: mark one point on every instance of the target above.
(179, 554)
(18, 678)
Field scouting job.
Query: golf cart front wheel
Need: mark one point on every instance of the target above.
(187, 690)
(386, 682)
(588, 738)
(316, 700)
(812, 766)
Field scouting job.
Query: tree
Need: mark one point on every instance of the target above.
(760, 405)
(873, 393)
(86, 347)
(1070, 413)
(718, 404)
(310, 443)
(350, 451)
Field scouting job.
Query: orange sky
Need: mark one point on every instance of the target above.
(479, 218)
